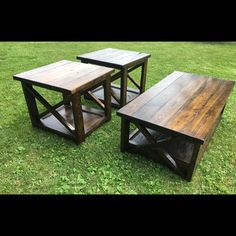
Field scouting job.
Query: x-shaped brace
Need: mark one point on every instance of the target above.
(157, 145)
(49, 108)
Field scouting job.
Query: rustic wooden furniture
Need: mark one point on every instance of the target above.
(69, 117)
(175, 120)
(125, 62)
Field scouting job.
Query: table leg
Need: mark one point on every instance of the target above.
(123, 87)
(31, 104)
(193, 162)
(66, 99)
(78, 118)
(107, 98)
(125, 124)
(143, 76)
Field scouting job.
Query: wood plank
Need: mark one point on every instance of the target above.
(31, 104)
(93, 111)
(118, 55)
(96, 54)
(78, 118)
(126, 60)
(188, 93)
(167, 102)
(64, 74)
(124, 141)
(146, 133)
(95, 99)
(59, 72)
(74, 81)
(115, 58)
(131, 94)
(91, 120)
(198, 116)
(143, 76)
(115, 97)
(89, 80)
(134, 82)
(107, 96)
(42, 68)
(69, 77)
(104, 54)
(204, 123)
(189, 105)
(135, 105)
(123, 87)
(112, 55)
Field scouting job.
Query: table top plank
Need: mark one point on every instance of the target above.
(113, 57)
(98, 53)
(109, 56)
(44, 68)
(65, 75)
(183, 103)
(206, 109)
(85, 81)
(129, 59)
(170, 100)
(144, 98)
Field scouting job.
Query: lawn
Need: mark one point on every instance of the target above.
(33, 161)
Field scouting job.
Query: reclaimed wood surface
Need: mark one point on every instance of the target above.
(182, 104)
(65, 76)
(114, 58)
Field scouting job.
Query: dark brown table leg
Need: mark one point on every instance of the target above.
(123, 87)
(143, 76)
(31, 104)
(66, 99)
(107, 98)
(78, 118)
(193, 162)
(156, 146)
(125, 124)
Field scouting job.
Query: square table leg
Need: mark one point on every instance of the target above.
(31, 104)
(192, 166)
(66, 99)
(78, 118)
(107, 98)
(123, 87)
(125, 126)
(143, 76)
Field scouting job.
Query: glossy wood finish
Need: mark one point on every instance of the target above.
(65, 76)
(125, 61)
(69, 117)
(176, 119)
(115, 97)
(114, 58)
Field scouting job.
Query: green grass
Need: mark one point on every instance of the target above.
(33, 161)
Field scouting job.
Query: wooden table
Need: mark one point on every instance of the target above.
(69, 117)
(175, 120)
(125, 62)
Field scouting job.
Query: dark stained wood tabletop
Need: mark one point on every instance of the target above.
(114, 58)
(182, 103)
(65, 75)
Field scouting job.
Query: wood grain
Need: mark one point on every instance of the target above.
(65, 76)
(184, 103)
(114, 58)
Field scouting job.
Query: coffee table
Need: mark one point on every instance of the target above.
(175, 120)
(124, 61)
(69, 117)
